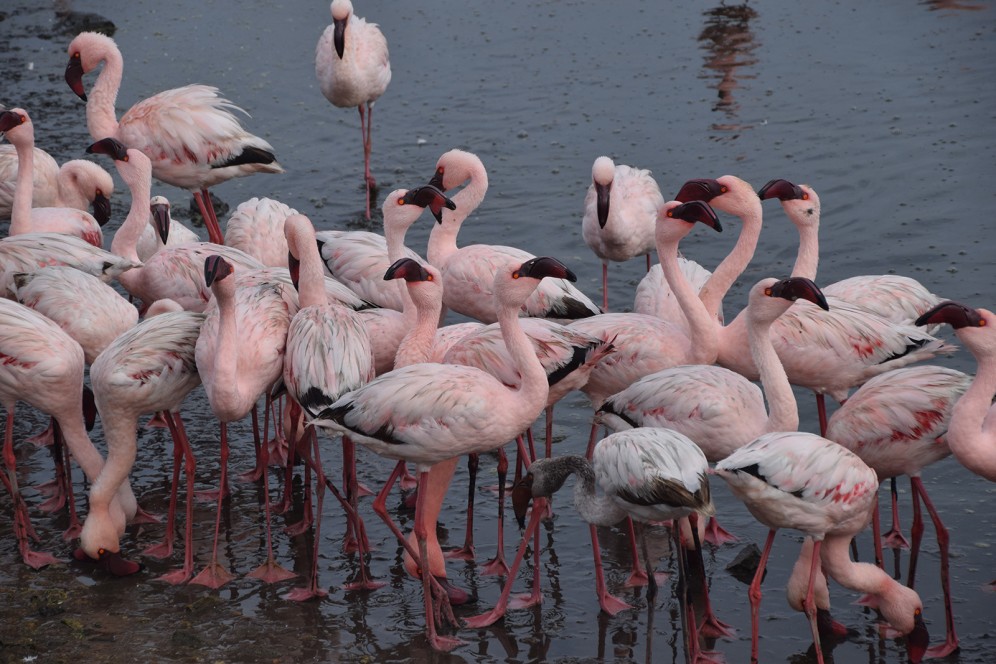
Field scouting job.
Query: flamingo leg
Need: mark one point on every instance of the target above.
(466, 552)
(894, 538)
(408, 481)
(75, 527)
(497, 564)
(821, 412)
(638, 577)
(312, 590)
(809, 604)
(609, 603)
(605, 285)
(365, 133)
(951, 638)
(492, 616)
(534, 597)
(61, 483)
(214, 575)
(22, 522)
(165, 548)
(916, 532)
(754, 594)
(270, 571)
(180, 435)
(431, 593)
(711, 626)
(206, 207)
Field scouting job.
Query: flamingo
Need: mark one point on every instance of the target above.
(728, 194)
(897, 424)
(87, 309)
(239, 356)
(620, 209)
(429, 413)
(149, 368)
(972, 429)
(43, 367)
(172, 272)
(23, 217)
(646, 474)
(893, 297)
(257, 228)
(176, 233)
(353, 69)
(78, 183)
(190, 133)
(468, 271)
(328, 354)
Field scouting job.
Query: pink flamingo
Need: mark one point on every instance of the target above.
(148, 369)
(43, 367)
(27, 219)
(647, 475)
(176, 233)
(172, 272)
(87, 309)
(327, 354)
(972, 430)
(728, 194)
(897, 424)
(620, 209)
(893, 297)
(468, 271)
(190, 134)
(78, 183)
(257, 228)
(353, 69)
(239, 356)
(429, 413)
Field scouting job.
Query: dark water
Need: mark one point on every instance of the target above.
(886, 108)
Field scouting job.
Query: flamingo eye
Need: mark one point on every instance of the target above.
(670, 213)
(430, 278)
(805, 196)
(439, 170)
(100, 193)
(101, 551)
(982, 322)
(515, 275)
(723, 189)
(124, 158)
(767, 291)
(401, 201)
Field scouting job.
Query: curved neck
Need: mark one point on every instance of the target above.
(101, 118)
(20, 212)
(70, 192)
(534, 390)
(598, 510)
(442, 239)
(311, 281)
(394, 237)
(808, 258)
(734, 264)
(416, 347)
(971, 441)
(125, 241)
(862, 577)
(121, 449)
(703, 335)
(783, 413)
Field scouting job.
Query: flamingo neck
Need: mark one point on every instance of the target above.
(125, 241)
(734, 345)
(861, 577)
(971, 441)
(416, 347)
(442, 239)
(311, 282)
(394, 236)
(808, 258)
(702, 327)
(783, 412)
(226, 359)
(101, 120)
(598, 510)
(119, 431)
(731, 267)
(532, 393)
(20, 212)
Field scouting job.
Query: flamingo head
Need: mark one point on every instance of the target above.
(112, 147)
(701, 189)
(457, 166)
(602, 173)
(545, 478)
(522, 495)
(903, 611)
(341, 11)
(795, 288)
(86, 52)
(799, 201)
(429, 196)
(159, 207)
(693, 211)
(955, 314)
(216, 268)
(74, 74)
(544, 266)
(408, 269)
(12, 119)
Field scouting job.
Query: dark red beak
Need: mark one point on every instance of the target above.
(602, 192)
(101, 208)
(703, 189)
(697, 211)
(112, 147)
(430, 197)
(437, 180)
(917, 640)
(339, 36)
(74, 76)
(407, 269)
(955, 314)
(796, 288)
(9, 120)
(160, 217)
(522, 495)
(783, 190)
(544, 266)
(216, 268)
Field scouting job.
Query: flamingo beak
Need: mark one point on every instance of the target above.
(545, 266)
(522, 495)
(917, 640)
(407, 269)
(703, 189)
(430, 197)
(216, 268)
(955, 314)
(101, 208)
(113, 562)
(160, 217)
(339, 36)
(74, 76)
(783, 190)
(89, 408)
(602, 192)
(111, 147)
(9, 120)
(796, 288)
(697, 211)
(437, 180)
(294, 267)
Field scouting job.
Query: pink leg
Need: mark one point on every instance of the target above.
(206, 207)
(62, 481)
(364, 131)
(534, 597)
(257, 472)
(497, 564)
(75, 527)
(951, 638)
(877, 536)
(605, 286)
(190, 465)
(754, 594)
(165, 548)
(408, 481)
(637, 577)
(894, 538)
(809, 604)
(821, 411)
(716, 535)
(214, 575)
(22, 522)
(609, 603)
(270, 571)
(312, 591)
(431, 596)
(549, 431)
(501, 606)
(466, 552)
(592, 439)
(711, 626)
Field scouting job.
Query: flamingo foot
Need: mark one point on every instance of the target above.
(349, 544)
(37, 559)
(72, 532)
(612, 604)
(716, 535)
(525, 600)
(949, 646)
(298, 528)
(463, 553)
(457, 596)
(159, 551)
(485, 619)
(212, 495)
(365, 583)
(176, 577)
(895, 540)
(363, 490)
(714, 628)
(271, 572)
(55, 503)
(141, 516)
(250, 476)
(495, 566)
(708, 657)
(278, 450)
(43, 439)
(213, 576)
(305, 594)
(156, 422)
(408, 482)
(637, 579)
(444, 643)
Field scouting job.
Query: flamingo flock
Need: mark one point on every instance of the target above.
(346, 335)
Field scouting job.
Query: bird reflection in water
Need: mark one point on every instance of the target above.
(729, 45)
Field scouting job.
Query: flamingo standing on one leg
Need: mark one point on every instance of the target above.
(239, 355)
(353, 69)
(429, 413)
(972, 430)
(148, 369)
(620, 209)
(897, 424)
(190, 133)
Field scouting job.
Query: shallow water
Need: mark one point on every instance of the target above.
(885, 108)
